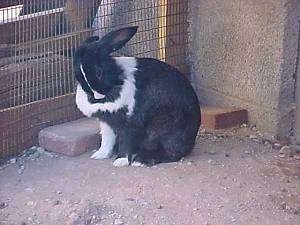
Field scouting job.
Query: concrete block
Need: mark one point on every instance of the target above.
(222, 117)
(72, 138)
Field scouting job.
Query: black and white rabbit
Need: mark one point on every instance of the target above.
(148, 111)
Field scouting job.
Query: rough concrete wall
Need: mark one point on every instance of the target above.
(237, 52)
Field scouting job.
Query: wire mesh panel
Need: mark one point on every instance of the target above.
(37, 42)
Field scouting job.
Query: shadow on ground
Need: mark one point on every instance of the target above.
(229, 179)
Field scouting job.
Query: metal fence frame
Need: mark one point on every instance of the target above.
(38, 38)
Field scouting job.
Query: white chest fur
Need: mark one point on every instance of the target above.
(127, 93)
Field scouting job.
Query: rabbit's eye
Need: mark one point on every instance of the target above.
(98, 73)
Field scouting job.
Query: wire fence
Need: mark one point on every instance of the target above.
(37, 41)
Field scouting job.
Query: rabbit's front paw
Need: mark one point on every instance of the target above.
(119, 162)
(100, 154)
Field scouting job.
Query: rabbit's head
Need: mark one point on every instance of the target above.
(95, 69)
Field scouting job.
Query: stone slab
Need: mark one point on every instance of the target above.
(71, 138)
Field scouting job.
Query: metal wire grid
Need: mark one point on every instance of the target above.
(37, 41)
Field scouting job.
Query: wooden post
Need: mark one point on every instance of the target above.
(177, 34)
(80, 13)
(297, 94)
(162, 20)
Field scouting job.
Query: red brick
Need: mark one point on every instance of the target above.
(222, 117)
(72, 138)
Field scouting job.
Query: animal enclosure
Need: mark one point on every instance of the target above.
(37, 41)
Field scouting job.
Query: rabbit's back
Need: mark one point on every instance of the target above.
(161, 86)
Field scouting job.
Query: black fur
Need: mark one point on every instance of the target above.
(166, 115)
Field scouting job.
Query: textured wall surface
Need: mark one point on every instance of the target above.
(243, 53)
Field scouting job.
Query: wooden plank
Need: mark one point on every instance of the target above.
(19, 126)
(6, 50)
(30, 27)
(33, 6)
(35, 79)
(177, 34)
(60, 44)
(80, 14)
(8, 3)
(57, 44)
(52, 22)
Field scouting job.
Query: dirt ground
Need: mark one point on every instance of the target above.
(231, 178)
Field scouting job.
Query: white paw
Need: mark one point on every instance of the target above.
(119, 162)
(100, 154)
(137, 164)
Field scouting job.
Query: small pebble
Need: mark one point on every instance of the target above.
(57, 202)
(297, 157)
(33, 148)
(36, 155)
(135, 217)
(251, 136)
(49, 154)
(30, 151)
(29, 189)
(277, 145)
(256, 140)
(253, 127)
(212, 152)
(259, 133)
(266, 141)
(202, 130)
(30, 203)
(282, 205)
(21, 169)
(73, 216)
(118, 222)
(40, 150)
(3, 205)
(284, 150)
(296, 211)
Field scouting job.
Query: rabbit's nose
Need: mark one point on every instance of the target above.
(98, 95)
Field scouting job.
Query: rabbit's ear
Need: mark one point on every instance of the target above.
(91, 39)
(117, 39)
